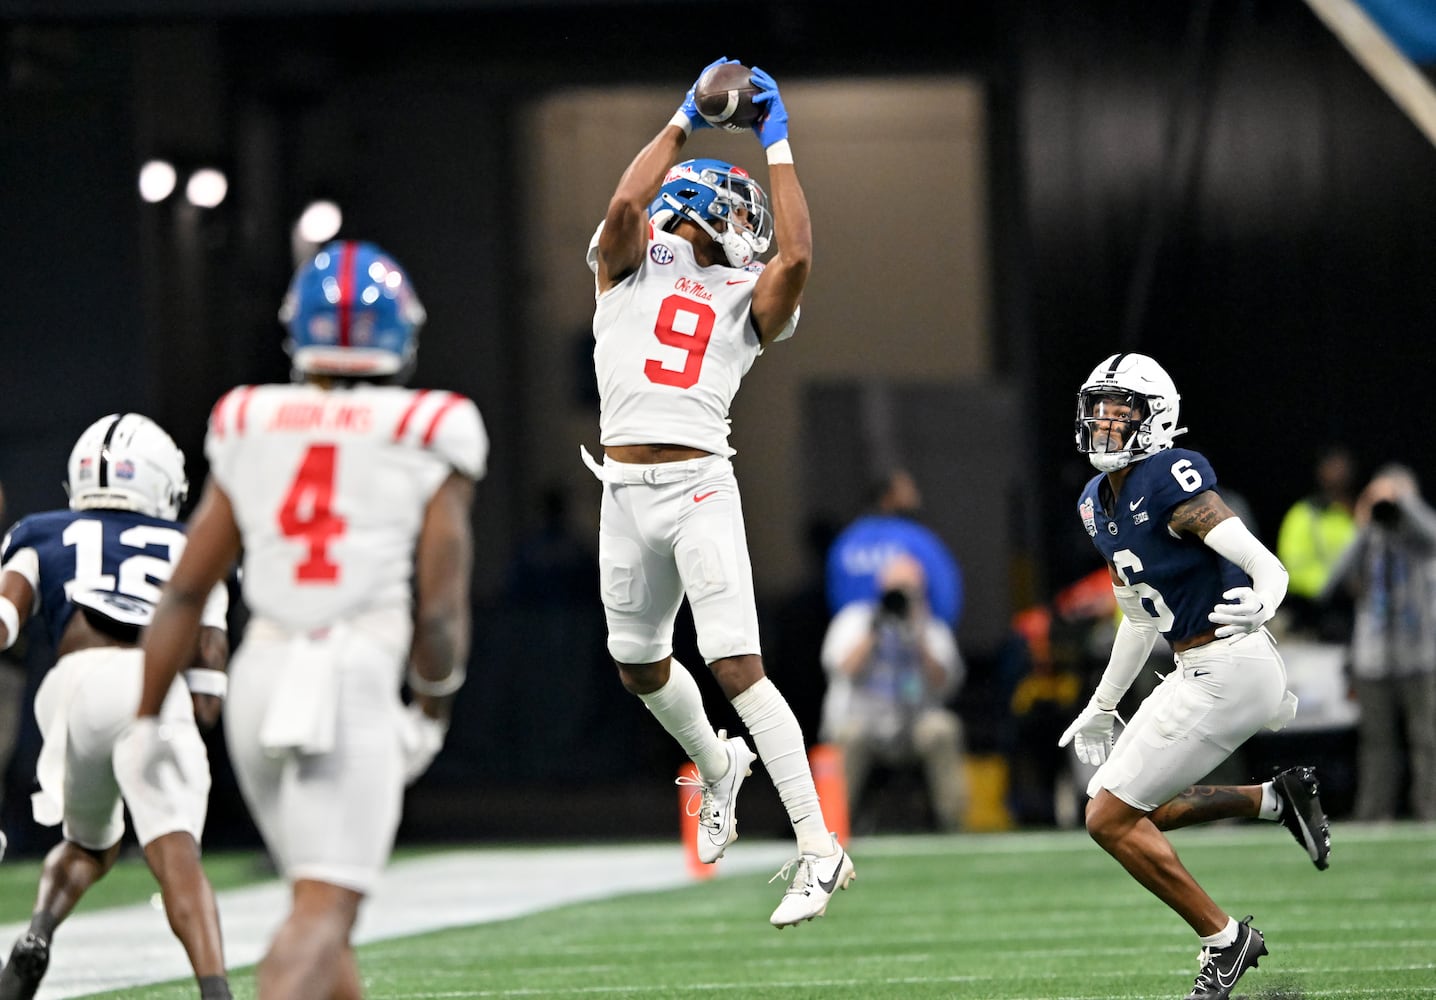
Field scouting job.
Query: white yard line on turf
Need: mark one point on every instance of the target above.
(130, 946)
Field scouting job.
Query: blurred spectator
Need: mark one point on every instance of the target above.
(1060, 650)
(552, 565)
(892, 667)
(1314, 533)
(1390, 571)
(892, 527)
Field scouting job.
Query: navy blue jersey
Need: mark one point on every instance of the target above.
(121, 555)
(1178, 578)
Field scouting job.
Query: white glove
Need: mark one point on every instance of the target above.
(1247, 614)
(145, 761)
(1092, 732)
(420, 739)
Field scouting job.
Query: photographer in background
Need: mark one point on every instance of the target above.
(892, 666)
(1390, 573)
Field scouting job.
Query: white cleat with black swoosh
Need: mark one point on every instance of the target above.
(814, 882)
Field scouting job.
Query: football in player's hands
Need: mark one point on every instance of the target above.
(724, 96)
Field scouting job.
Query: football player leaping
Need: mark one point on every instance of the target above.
(684, 308)
(91, 576)
(1183, 566)
(347, 495)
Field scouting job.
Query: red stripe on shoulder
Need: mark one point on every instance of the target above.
(243, 409)
(409, 413)
(221, 408)
(444, 407)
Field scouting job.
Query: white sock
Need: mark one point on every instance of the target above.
(1270, 804)
(778, 739)
(678, 705)
(1223, 937)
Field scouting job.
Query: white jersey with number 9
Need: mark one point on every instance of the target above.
(329, 489)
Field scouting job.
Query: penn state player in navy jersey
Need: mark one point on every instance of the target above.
(1185, 568)
(90, 577)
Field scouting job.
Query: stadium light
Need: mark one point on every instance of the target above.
(319, 222)
(157, 180)
(206, 187)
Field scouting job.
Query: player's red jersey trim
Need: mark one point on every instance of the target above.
(409, 413)
(444, 407)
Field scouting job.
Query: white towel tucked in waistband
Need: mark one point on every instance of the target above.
(304, 707)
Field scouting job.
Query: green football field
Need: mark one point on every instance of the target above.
(988, 917)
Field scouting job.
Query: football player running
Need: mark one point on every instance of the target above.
(684, 308)
(343, 492)
(1183, 566)
(91, 576)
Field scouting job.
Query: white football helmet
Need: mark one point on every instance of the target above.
(125, 461)
(1138, 382)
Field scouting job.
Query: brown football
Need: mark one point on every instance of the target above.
(724, 96)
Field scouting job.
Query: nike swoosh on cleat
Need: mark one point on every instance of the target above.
(831, 883)
(697, 497)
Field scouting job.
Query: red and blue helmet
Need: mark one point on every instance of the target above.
(351, 311)
(705, 191)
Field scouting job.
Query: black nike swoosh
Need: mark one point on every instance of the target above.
(831, 883)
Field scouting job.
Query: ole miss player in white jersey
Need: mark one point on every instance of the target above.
(346, 493)
(90, 577)
(1184, 567)
(683, 310)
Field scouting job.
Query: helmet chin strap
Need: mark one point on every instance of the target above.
(736, 249)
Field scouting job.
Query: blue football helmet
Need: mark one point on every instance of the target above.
(351, 311)
(707, 191)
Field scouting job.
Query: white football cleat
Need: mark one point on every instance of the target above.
(717, 818)
(814, 883)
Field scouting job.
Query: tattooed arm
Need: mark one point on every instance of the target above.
(1200, 514)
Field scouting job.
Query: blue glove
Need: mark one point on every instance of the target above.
(773, 126)
(688, 109)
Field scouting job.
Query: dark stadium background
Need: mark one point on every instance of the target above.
(1218, 184)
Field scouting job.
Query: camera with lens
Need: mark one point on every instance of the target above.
(1386, 513)
(895, 603)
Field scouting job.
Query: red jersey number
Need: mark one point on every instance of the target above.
(307, 514)
(698, 315)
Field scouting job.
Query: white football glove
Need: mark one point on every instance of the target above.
(420, 739)
(146, 762)
(1091, 733)
(1247, 614)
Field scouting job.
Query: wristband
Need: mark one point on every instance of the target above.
(10, 618)
(200, 681)
(682, 121)
(780, 152)
(441, 688)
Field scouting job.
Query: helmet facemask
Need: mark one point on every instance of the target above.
(1098, 427)
(706, 192)
(1131, 396)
